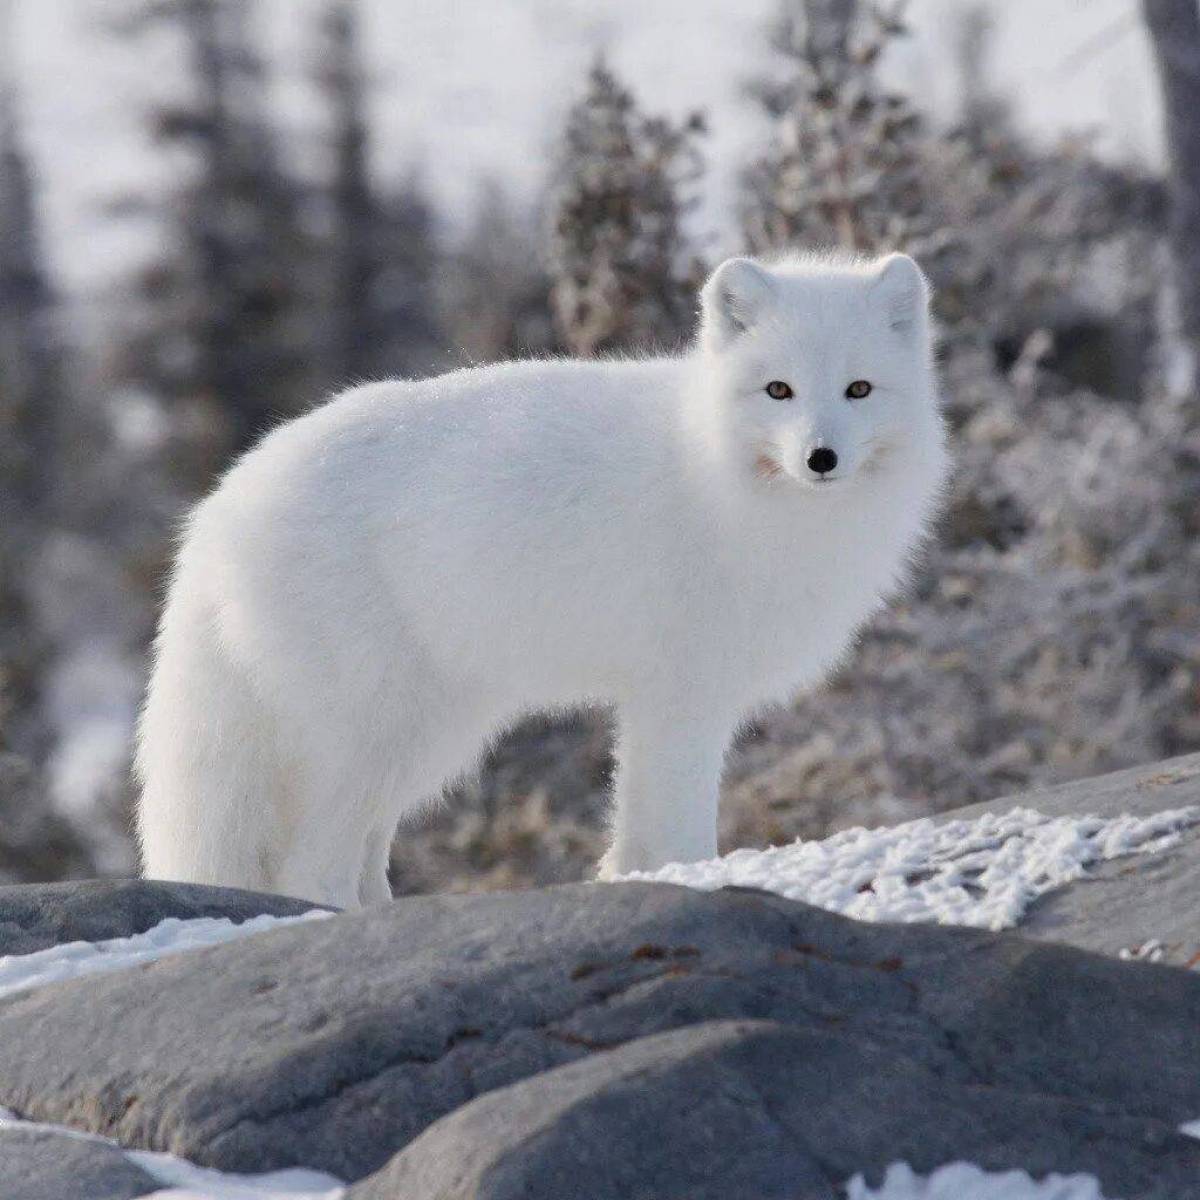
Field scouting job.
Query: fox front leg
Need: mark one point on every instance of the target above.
(667, 786)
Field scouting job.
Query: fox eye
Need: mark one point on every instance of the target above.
(778, 390)
(858, 389)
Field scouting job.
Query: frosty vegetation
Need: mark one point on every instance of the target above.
(1053, 630)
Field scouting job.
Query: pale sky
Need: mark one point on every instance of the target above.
(466, 89)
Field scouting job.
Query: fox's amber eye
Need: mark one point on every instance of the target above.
(778, 390)
(858, 389)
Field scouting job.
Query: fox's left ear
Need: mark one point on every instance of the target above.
(902, 292)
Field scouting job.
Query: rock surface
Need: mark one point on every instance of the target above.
(628, 1040)
(37, 1164)
(34, 916)
(335, 1044)
(769, 1111)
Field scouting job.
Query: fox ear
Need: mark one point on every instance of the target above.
(733, 300)
(901, 291)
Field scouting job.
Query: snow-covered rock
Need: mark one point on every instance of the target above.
(984, 871)
(37, 916)
(1085, 864)
(1118, 906)
(591, 1040)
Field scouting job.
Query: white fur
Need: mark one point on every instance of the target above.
(379, 587)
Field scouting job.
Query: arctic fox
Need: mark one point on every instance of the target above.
(380, 586)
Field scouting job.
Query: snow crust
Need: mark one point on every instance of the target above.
(186, 1181)
(964, 1181)
(983, 872)
(171, 936)
(1154, 950)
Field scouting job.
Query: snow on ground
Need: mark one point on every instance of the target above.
(1152, 951)
(963, 1181)
(983, 872)
(171, 936)
(186, 1181)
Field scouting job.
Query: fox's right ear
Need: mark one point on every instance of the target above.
(734, 299)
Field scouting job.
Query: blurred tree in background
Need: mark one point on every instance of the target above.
(382, 250)
(495, 284)
(1174, 27)
(623, 273)
(224, 325)
(844, 167)
(29, 410)
(1054, 629)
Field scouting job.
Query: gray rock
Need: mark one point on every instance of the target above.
(35, 916)
(38, 1164)
(763, 1110)
(1128, 902)
(641, 1121)
(335, 1044)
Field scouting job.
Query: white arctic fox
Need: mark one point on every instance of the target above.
(379, 587)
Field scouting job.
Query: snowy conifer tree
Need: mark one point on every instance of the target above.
(622, 272)
(842, 168)
(30, 414)
(382, 247)
(223, 323)
(494, 288)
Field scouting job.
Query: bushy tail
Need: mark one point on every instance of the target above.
(209, 778)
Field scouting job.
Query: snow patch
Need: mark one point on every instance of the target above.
(171, 936)
(186, 1181)
(1190, 1129)
(964, 1181)
(983, 872)
(1152, 951)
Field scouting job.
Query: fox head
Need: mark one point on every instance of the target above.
(818, 372)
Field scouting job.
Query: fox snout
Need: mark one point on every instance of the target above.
(822, 460)
(813, 460)
(813, 451)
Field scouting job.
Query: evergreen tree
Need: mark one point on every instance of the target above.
(495, 293)
(30, 416)
(224, 321)
(382, 245)
(411, 340)
(622, 273)
(28, 377)
(843, 168)
(354, 211)
(983, 114)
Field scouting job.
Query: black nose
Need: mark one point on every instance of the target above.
(822, 460)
